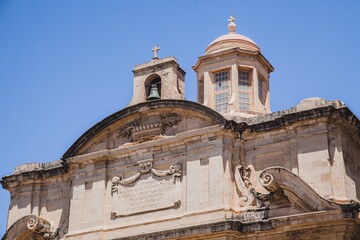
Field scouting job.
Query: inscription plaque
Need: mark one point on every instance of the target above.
(146, 191)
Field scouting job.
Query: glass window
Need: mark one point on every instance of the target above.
(244, 84)
(244, 97)
(244, 101)
(221, 81)
(221, 102)
(221, 91)
(244, 80)
(260, 90)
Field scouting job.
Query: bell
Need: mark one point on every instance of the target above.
(154, 93)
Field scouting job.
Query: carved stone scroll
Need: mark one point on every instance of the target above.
(141, 131)
(243, 183)
(275, 191)
(146, 167)
(41, 228)
(282, 183)
(248, 195)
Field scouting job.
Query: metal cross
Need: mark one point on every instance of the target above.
(231, 19)
(155, 51)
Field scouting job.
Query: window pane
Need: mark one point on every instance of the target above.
(244, 76)
(260, 90)
(244, 80)
(244, 97)
(221, 102)
(244, 106)
(244, 85)
(221, 81)
(244, 100)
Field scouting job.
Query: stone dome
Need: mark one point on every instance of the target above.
(231, 40)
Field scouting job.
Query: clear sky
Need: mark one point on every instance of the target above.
(66, 65)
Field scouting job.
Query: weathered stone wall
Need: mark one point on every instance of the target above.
(351, 156)
(316, 150)
(194, 171)
(200, 190)
(49, 199)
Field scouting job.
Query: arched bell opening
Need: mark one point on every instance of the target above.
(153, 87)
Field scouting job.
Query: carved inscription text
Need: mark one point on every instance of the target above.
(147, 194)
(147, 190)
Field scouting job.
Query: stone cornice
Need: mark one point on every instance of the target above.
(267, 122)
(34, 173)
(236, 50)
(158, 62)
(184, 138)
(276, 120)
(258, 229)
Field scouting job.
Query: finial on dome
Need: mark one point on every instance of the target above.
(232, 25)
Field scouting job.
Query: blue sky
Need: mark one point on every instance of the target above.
(66, 65)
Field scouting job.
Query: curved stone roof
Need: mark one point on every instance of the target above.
(231, 40)
(145, 106)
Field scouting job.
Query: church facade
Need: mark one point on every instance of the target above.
(225, 167)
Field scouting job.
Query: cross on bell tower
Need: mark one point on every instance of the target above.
(155, 51)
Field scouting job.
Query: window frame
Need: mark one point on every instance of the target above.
(222, 91)
(264, 89)
(248, 91)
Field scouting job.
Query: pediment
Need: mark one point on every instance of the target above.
(144, 122)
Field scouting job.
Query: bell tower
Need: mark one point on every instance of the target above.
(158, 79)
(233, 76)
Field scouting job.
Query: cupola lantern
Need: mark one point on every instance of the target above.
(233, 76)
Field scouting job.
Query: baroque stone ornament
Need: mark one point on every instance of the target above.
(138, 131)
(41, 228)
(148, 190)
(249, 196)
(284, 184)
(146, 167)
(275, 191)
(244, 186)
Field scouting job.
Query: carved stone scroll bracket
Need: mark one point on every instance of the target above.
(248, 194)
(275, 191)
(139, 130)
(42, 229)
(176, 205)
(243, 184)
(284, 184)
(144, 168)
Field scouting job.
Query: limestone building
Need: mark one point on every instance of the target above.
(223, 168)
